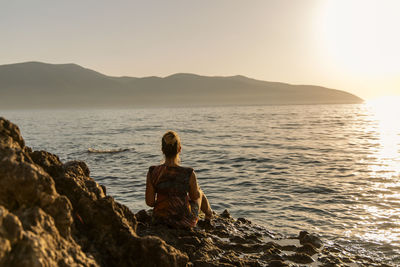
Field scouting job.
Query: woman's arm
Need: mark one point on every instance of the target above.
(194, 191)
(150, 192)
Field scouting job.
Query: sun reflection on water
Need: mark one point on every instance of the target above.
(383, 211)
(386, 115)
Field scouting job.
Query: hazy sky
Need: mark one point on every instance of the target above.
(351, 45)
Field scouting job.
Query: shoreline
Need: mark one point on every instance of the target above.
(78, 224)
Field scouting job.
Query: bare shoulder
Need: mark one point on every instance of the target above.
(194, 192)
(193, 179)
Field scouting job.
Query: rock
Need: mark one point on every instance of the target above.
(305, 237)
(24, 185)
(238, 239)
(255, 237)
(299, 258)
(143, 216)
(289, 248)
(225, 214)
(49, 162)
(10, 136)
(277, 263)
(308, 249)
(207, 225)
(104, 189)
(10, 233)
(42, 244)
(329, 260)
(54, 214)
(272, 254)
(243, 220)
(199, 263)
(190, 240)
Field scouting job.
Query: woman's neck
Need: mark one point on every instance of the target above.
(171, 162)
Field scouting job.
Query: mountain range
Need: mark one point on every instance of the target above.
(43, 85)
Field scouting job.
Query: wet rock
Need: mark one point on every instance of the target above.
(277, 263)
(243, 220)
(308, 249)
(272, 254)
(190, 240)
(226, 214)
(200, 263)
(238, 239)
(305, 237)
(299, 258)
(289, 248)
(349, 260)
(253, 237)
(208, 225)
(143, 216)
(329, 260)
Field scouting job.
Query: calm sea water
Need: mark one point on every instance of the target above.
(329, 169)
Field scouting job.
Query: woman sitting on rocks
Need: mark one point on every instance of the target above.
(173, 190)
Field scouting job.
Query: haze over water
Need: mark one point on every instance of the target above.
(329, 169)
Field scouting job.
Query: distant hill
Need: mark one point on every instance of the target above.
(42, 85)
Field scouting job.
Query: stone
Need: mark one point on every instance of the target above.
(143, 216)
(305, 237)
(225, 214)
(243, 220)
(308, 249)
(277, 263)
(300, 258)
(10, 135)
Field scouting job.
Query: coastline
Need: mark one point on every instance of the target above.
(54, 213)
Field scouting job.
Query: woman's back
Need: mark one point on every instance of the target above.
(172, 185)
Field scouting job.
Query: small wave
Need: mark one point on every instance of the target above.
(118, 150)
(249, 159)
(311, 162)
(313, 190)
(277, 173)
(192, 131)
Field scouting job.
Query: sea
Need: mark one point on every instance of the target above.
(333, 170)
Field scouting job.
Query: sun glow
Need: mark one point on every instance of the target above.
(361, 36)
(386, 111)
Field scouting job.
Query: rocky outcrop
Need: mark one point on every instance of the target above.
(55, 214)
(239, 242)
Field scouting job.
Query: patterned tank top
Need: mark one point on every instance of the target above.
(172, 206)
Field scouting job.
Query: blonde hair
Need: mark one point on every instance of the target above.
(170, 145)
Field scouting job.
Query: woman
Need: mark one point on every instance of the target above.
(172, 189)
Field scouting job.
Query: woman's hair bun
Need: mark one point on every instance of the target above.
(169, 144)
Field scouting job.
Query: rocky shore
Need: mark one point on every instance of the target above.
(55, 214)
